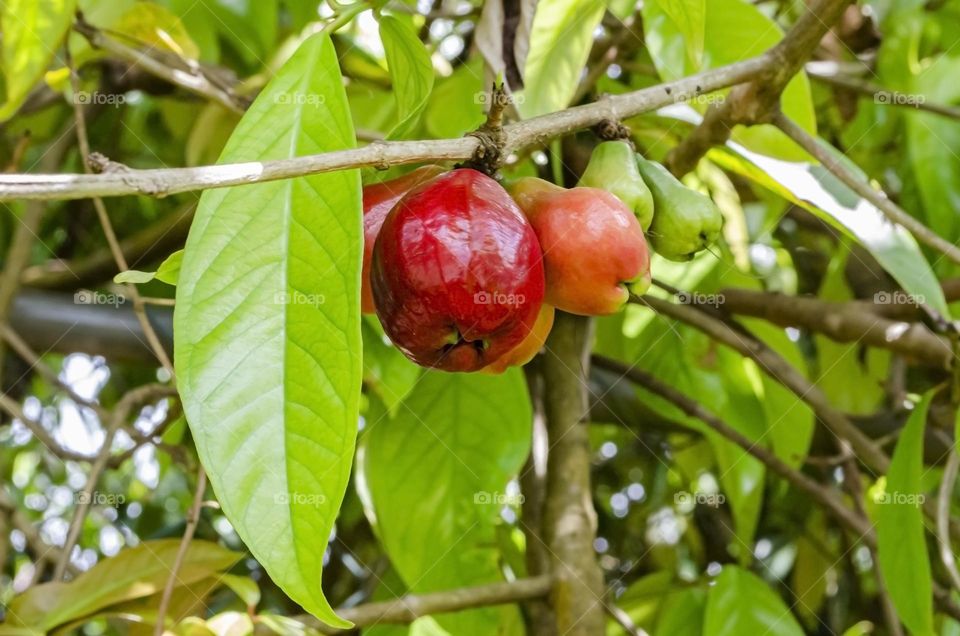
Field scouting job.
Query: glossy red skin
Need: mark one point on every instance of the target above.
(378, 200)
(593, 245)
(529, 346)
(444, 245)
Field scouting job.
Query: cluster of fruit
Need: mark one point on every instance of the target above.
(465, 276)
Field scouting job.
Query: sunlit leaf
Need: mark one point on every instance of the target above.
(410, 70)
(32, 32)
(559, 46)
(135, 572)
(267, 328)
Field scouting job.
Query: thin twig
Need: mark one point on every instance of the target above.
(86, 496)
(33, 359)
(880, 95)
(879, 200)
(944, 497)
(116, 179)
(190, 77)
(780, 370)
(754, 102)
(822, 495)
(408, 608)
(193, 517)
(138, 307)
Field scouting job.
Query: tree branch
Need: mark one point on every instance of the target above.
(880, 95)
(569, 520)
(189, 77)
(821, 494)
(780, 370)
(841, 322)
(117, 180)
(752, 103)
(409, 608)
(879, 200)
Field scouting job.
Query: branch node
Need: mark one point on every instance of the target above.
(488, 156)
(102, 164)
(611, 130)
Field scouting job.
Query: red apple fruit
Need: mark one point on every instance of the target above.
(593, 246)
(378, 200)
(457, 273)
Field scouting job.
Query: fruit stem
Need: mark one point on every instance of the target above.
(489, 154)
(610, 130)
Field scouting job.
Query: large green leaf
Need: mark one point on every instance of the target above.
(410, 70)
(741, 603)
(267, 328)
(32, 32)
(560, 43)
(901, 546)
(734, 30)
(682, 613)
(134, 573)
(435, 473)
(816, 189)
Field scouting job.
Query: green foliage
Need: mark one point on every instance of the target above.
(741, 603)
(135, 573)
(901, 546)
(32, 31)
(410, 70)
(559, 46)
(269, 288)
(437, 474)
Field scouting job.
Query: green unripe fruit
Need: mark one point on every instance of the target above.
(613, 168)
(686, 221)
